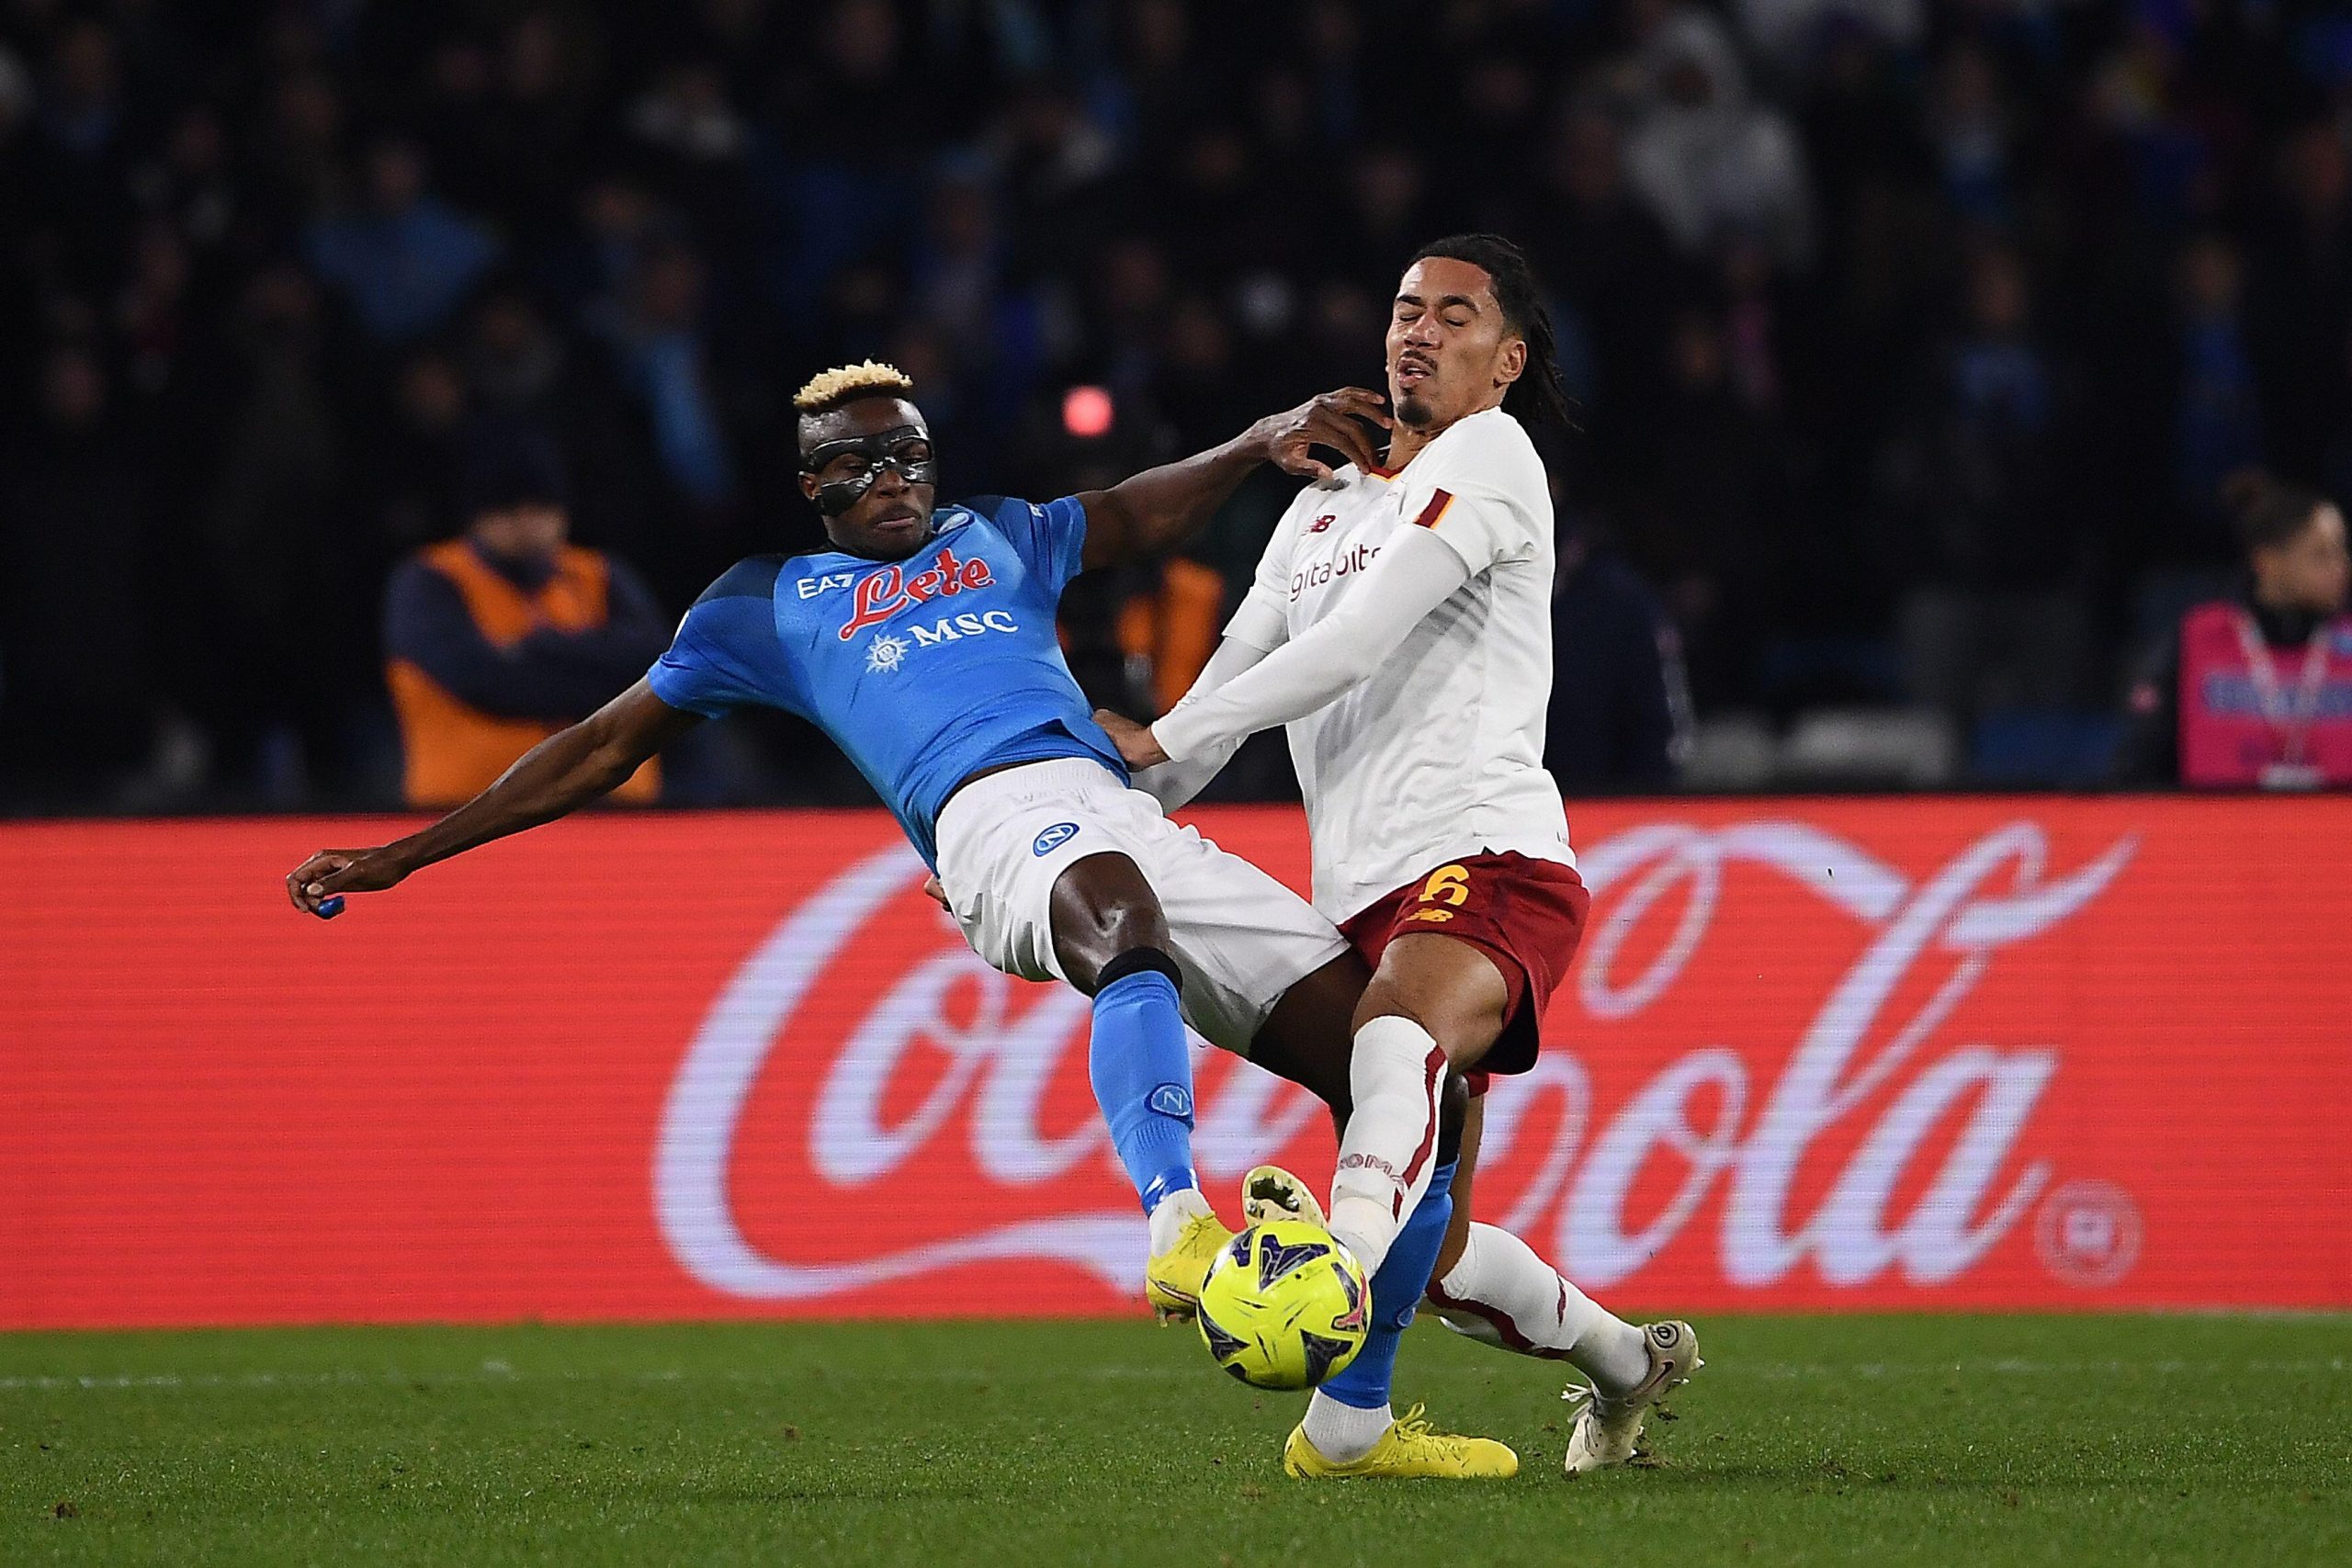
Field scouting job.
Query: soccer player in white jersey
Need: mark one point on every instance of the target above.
(1400, 626)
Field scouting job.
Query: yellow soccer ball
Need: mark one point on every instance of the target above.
(1286, 1306)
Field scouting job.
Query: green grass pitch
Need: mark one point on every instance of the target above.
(1879, 1441)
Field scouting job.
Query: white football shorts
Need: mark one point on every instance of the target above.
(1240, 938)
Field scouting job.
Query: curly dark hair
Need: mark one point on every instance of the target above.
(1538, 396)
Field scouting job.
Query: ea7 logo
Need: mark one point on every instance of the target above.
(809, 587)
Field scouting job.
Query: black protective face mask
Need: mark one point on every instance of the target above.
(880, 451)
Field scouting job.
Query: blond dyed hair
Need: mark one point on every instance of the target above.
(867, 378)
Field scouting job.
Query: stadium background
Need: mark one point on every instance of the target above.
(1913, 339)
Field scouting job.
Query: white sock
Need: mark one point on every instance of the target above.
(1169, 1216)
(1395, 1074)
(1341, 1433)
(1500, 1293)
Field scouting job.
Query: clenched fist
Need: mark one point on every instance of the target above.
(330, 872)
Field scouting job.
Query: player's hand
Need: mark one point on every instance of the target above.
(1134, 741)
(330, 872)
(1341, 421)
(936, 891)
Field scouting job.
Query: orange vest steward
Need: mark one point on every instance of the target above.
(454, 751)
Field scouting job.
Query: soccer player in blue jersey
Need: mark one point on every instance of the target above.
(923, 642)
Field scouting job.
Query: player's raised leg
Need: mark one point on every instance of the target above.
(1111, 939)
(1433, 1004)
(1351, 1428)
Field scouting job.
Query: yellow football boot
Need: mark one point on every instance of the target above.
(1408, 1448)
(1171, 1281)
(1269, 1192)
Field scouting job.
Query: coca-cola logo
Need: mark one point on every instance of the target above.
(1879, 1141)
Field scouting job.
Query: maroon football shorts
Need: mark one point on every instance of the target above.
(1526, 915)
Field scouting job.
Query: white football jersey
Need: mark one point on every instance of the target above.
(1439, 753)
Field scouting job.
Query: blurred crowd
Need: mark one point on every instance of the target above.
(1914, 341)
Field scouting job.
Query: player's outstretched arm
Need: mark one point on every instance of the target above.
(1413, 574)
(560, 774)
(1160, 508)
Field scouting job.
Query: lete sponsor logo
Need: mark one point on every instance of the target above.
(1882, 1143)
(882, 594)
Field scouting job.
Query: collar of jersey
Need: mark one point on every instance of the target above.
(1378, 473)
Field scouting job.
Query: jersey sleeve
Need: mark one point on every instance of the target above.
(1486, 500)
(1048, 538)
(1408, 578)
(726, 654)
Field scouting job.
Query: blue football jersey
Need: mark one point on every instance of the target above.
(925, 671)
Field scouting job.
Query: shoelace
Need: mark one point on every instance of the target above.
(1584, 1396)
(1200, 1224)
(1413, 1427)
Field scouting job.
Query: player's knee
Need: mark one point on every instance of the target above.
(1103, 908)
(1463, 1040)
(1453, 991)
(1122, 926)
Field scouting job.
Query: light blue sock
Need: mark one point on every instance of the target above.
(1396, 1292)
(1142, 1071)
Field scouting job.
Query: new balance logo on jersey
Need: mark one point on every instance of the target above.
(883, 593)
(1322, 522)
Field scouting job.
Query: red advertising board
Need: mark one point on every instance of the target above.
(1975, 1052)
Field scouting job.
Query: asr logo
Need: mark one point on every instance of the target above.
(1054, 838)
